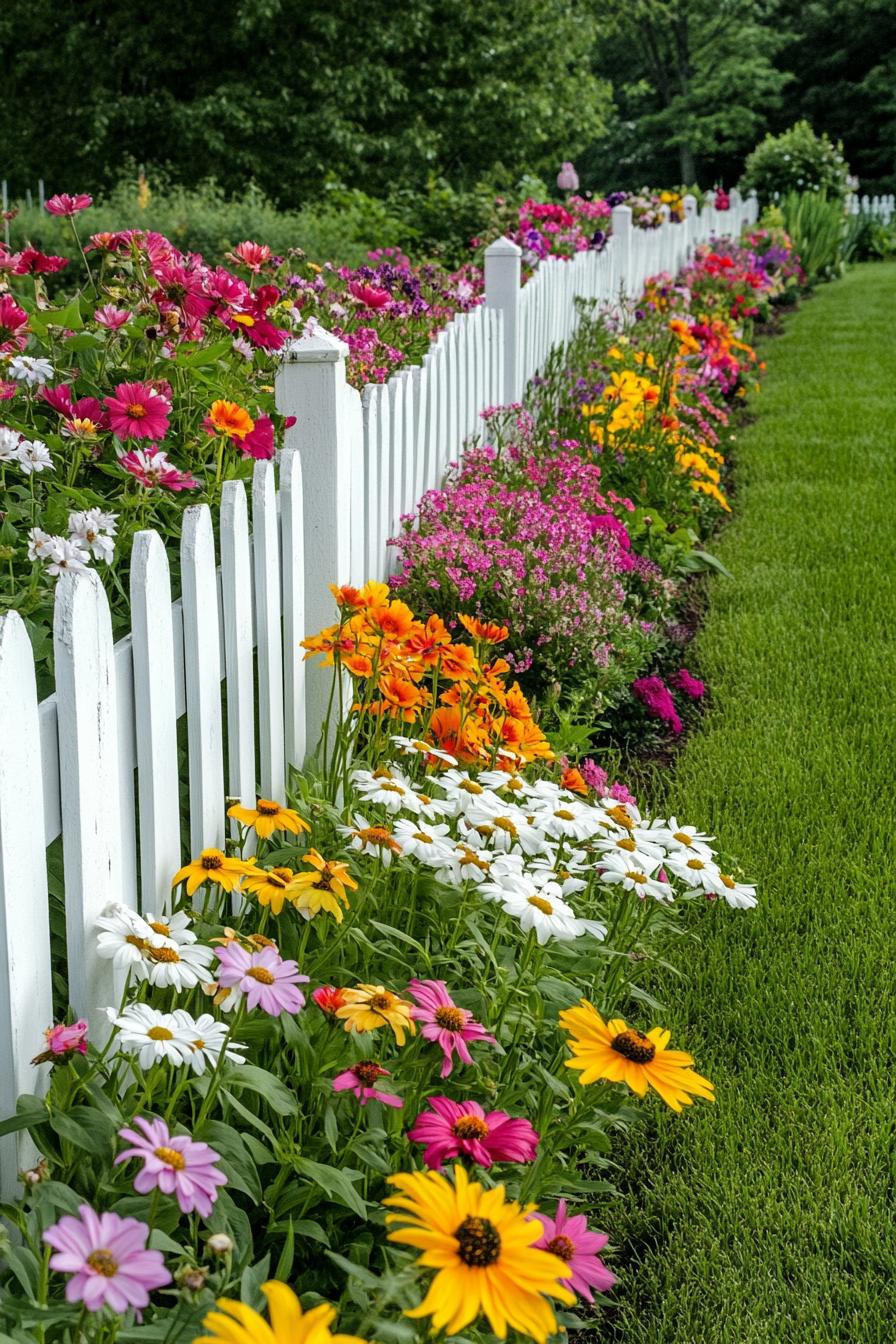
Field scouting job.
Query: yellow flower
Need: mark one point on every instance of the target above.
(267, 817)
(713, 491)
(621, 1054)
(270, 886)
(236, 1323)
(213, 865)
(368, 1007)
(481, 1244)
(323, 888)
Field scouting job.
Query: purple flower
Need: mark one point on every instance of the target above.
(107, 1258)
(264, 977)
(688, 685)
(175, 1164)
(571, 1240)
(443, 1022)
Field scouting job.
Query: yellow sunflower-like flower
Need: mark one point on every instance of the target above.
(236, 1323)
(620, 1054)
(212, 865)
(323, 888)
(270, 886)
(267, 816)
(368, 1007)
(482, 1246)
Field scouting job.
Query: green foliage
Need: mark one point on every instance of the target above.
(816, 226)
(868, 238)
(798, 160)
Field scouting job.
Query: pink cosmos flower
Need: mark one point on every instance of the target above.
(688, 685)
(60, 398)
(153, 469)
(107, 1258)
(370, 295)
(63, 204)
(253, 255)
(32, 262)
(259, 443)
(63, 1040)
(360, 1079)
(7, 390)
(175, 1164)
(570, 1239)
(111, 317)
(454, 1128)
(264, 977)
(137, 411)
(451, 1027)
(13, 325)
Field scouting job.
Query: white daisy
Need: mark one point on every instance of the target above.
(695, 870)
(676, 837)
(183, 967)
(30, 369)
(34, 455)
(126, 937)
(204, 1038)
(9, 444)
(176, 927)
(150, 1035)
(412, 746)
(384, 788)
(93, 530)
(739, 895)
(425, 805)
(546, 914)
(367, 838)
(430, 844)
(40, 543)
(511, 828)
(619, 869)
(627, 846)
(65, 556)
(570, 820)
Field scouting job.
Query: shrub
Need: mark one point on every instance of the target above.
(796, 160)
(816, 225)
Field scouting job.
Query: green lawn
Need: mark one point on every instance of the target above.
(772, 1216)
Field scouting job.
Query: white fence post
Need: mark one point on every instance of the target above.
(202, 674)
(328, 434)
(503, 267)
(292, 564)
(26, 1001)
(622, 250)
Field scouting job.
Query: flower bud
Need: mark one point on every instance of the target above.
(193, 1277)
(219, 1243)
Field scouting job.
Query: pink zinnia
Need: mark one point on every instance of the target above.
(259, 443)
(62, 1041)
(454, 1128)
(175, 1164)
(253, 255)
(137, 411)
(153, 469)
(111, 317)
(570, 1239)
(32, 262)
(360, 1079)
(370, 295)
(107, 1258)
(63, 204)
(264, 977)
(60, 398)
(688, 685)
(442, 1021)
(13, 325)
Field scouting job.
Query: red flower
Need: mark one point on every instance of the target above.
(31, 262)
(260, 442)
(64, 204)
(369, 295)
(137, 411)
(328, 998)
(13, 325)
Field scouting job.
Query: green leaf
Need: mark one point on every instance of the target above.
(334, 1182)
(275, 1093)
(28, 1114)
(287, 1255)
(353, 1270)
(703, 560)
(83, 1127)
(253, 1276)
(204, 355)
(391, 932)
(236, 1160)
(24, 1267)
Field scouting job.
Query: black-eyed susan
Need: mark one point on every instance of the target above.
(369, 1007)
(621, 1054)
(482, 1246)
(212, 865)
(267, 816)
(237, 1323)
(270, 886)
(323, 888)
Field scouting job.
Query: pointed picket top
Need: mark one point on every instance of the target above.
(503, 247)
(317, 346)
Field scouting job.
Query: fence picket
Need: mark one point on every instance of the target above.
(202, 674)
(266, 552)
(236, 595)
(292, 564)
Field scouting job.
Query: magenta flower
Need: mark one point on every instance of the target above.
(153, 470)
(111, 317)
(137, 411)
(107, 1258)
(62, 1041)
(175, 1164)
(371, 296)
(656, 698)
(360, 1079)
(570, 1239)
(63, 204)
(688, 685)
(253, 255)
(264, 977)
(453, 1128)
(13, 325)
(259, 442)
(443, 1022)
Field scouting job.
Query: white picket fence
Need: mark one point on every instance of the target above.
(882, 207)
(97, 762)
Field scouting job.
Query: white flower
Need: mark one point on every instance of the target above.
(65, 555)
(619, 868)
(384, 788)
(126, 937)
(30, 369)
(183, 967)
(174, 927)
(204, 1040)
(739, 895)
(93, 530)
(680, 839)
(413, 746)
(636, 853)
(367, 838)
(510, 827)
(424, 805)
(694, 870)
(40, 543)
(150, 1035)
(465, 864)
(34, 455)
(9, 444)
(431, 845)
(541, 910)
(570, 821)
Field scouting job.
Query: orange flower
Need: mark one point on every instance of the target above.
(401, 695)
(347, 597)
(357, 663)
(395, 620)
(487, 631)
(573, 780)
(427, 641)
(458, 662)
(227, 418)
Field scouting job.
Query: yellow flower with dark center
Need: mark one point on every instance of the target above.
(323, 888)
(270, 886)
(369, 1007)
(213, 865)
(481, 1244)
(237, 1323)
(621, 1054)
(267, 816)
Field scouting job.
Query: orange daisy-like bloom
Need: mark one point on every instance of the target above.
(267, 817)
(395, 621)
(323, 888)
(573, 780)
(621, 1054)
(270, 886)
(369, 1007)
(427, 641)
(212, 865)
(402, 697)
(486, 631)
(226, 417)
(458, 662)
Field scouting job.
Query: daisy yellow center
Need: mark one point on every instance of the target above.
(160, 1034)
(261, 974)
(634, 1045)
(210, 861)
(621, 817)
(561, 1246)
(164, 954)
(696, 863)
(628, 844)
(366, 1071)
(682, 837)
(485, 830)
(381, 1003)
(374, 835)
(158, 927)
(634, 876)
(382, 773)
(424, 799)
(505, 824)
(135, 941)
(135, 410)
(469, 1127)
(450, 1019)
(727, 881)
(516, 784)
(478, 1242)
(470, 786)
(423, 837)
(266, 808)
(171, 1157)
(103, 1262)
(392, 788)
(565, 815)
(541, 904)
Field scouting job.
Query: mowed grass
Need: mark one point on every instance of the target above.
(771, 1216)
